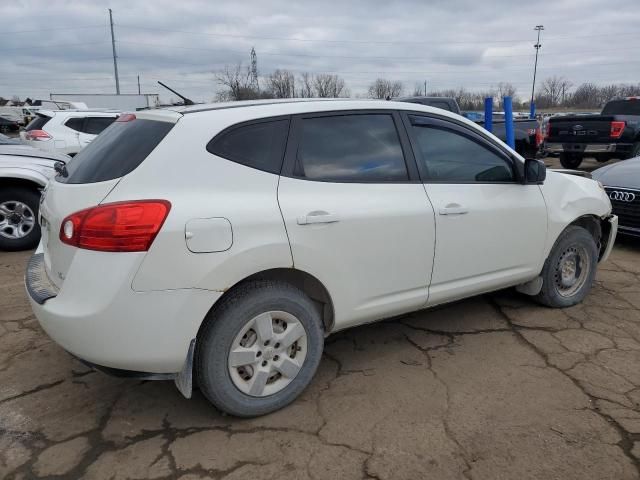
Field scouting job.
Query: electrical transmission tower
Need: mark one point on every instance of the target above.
(253, 72)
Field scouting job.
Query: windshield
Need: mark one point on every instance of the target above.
(622, 107)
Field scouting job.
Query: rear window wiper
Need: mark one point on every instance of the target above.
(61, 168)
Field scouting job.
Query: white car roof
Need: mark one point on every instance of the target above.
(76, 113)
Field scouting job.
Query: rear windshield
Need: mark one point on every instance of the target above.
(117, 151)
(37, 123)
(622, 107)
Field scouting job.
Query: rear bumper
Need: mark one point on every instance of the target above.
(553, 147)
(97, 317)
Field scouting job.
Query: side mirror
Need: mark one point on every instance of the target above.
(535, 171)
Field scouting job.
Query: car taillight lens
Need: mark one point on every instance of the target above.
(38, 135)
(116, 227)
(616, 129)
(539, 137)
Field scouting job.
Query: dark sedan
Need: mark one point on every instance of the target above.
(622, 182)
(7, 125)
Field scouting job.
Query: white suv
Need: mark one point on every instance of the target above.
(230, 239)
(66, 131)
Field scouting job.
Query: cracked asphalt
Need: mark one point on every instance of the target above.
(494, 387)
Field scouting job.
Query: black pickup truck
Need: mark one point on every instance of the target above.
(526, 131)
(615, 133)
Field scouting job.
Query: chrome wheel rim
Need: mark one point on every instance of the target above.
(16, 219)
(267, 353)
(572, 270)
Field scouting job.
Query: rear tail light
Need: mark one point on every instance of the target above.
(617, 128)
(38, 135)
(539, 137)
(116, 227)
(126, 117)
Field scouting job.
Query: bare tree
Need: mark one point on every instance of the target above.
(306, 88)
(382, 88)
(281, 84)
(237, 80)
(555, 89)
(329, 86)
(505, 89)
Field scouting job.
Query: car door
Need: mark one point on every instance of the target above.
(490, 228)
(356, 213)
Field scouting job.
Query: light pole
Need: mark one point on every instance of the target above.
(537, 46)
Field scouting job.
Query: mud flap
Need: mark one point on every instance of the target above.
(184, 379)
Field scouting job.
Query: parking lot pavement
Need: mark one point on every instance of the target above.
(493, 387)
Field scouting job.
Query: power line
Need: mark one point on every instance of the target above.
(356, 57)
(366, 42)
(30, 47)
(51, 29)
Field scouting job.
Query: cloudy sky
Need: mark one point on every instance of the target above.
(65, 47)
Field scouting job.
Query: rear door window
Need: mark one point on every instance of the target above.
(118, 151)
(95, 125)
(258, 145)
(362, 148)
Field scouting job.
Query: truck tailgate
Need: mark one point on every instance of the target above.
(583, 129)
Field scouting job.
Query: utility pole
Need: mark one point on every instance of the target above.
(425, 88)
(138, 84)
(115, 61)
(537, 46)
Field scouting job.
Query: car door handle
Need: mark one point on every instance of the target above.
(453, 209)
(317, 217)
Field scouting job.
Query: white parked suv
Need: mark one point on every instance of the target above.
(66, 131)
(228, 240)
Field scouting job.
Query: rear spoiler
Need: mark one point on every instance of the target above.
(577, 173)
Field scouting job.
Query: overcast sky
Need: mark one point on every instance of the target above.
(65, 46)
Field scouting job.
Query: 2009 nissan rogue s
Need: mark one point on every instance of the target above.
(224, 242)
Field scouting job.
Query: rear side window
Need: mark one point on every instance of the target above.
(350, 148)
(75, 124)
(622, 107)
(37, 123)
(95, 125)
(257, 145)
(118, 151)
(442, 105)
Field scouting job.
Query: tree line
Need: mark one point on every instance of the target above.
(242, 82)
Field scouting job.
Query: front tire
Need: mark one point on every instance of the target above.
(569, 271)
(570, 161)
(19, 228)
(259, 349)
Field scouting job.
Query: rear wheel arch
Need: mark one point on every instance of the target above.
(307, 283)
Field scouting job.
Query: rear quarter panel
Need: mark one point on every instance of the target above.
(200, 185)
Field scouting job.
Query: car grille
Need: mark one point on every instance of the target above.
(628, 211)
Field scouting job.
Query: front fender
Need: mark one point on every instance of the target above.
(569, 197)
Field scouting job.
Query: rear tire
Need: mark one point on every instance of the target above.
(570, 161)
(569, 271)
(248, 338)
(19, 228)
